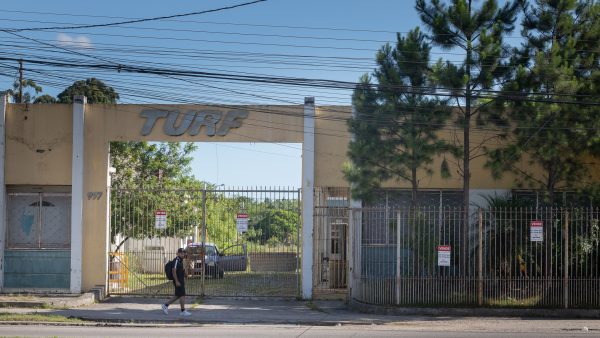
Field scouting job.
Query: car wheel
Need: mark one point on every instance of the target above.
(221, 274)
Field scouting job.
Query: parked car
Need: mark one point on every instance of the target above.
(217, 262)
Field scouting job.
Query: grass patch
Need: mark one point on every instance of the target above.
(314, 307)
(49, 306)
(513, 302)
(36, 317)
(197, 302)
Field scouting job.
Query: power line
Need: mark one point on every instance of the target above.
(264, 97)
(146, 94)
(218, 32)
(74, 52)
(137, 20)
(305, 82)
(227, 23)
(101, 59)
(286, 129)
(244, 57)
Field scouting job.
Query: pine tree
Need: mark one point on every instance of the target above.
(478, 32)
(555, 80)
(396, 123)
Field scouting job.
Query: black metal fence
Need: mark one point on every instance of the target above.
(528, 257)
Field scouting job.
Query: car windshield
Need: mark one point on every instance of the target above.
(196, 250)
(210, 251)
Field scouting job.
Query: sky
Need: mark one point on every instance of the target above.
(316, 39)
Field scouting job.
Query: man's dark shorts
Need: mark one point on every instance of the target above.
(179, 290)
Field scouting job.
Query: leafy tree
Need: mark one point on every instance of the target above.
(45, 99)
(145, 165)
(133, 210)
(159, 169)
(478, 32)
(27, 84)
(274, 226)
(95, 90)
(396, 123)
(150, 165)
(559, 62)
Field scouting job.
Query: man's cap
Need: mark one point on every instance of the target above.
(180, 250)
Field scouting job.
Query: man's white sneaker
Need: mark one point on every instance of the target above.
(185, 314)
(165, 309)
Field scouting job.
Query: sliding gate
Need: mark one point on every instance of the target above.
(239, 242)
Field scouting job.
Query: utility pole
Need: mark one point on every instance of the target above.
(20, 81)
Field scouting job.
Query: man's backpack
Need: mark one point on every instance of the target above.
(169, 269)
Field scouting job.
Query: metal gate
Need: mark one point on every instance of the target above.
(330, 240)
(239, 242)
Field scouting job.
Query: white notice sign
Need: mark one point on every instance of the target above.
(160, 219)
(536, 231)
(444, 254)
(242, 222)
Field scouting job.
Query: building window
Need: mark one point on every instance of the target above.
(379, 223)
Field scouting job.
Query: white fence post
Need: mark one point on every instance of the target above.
(3, 217)
(480, 260)
(566, 262)
(350, 255)
(398, 255)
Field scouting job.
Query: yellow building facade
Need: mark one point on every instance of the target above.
(58, 150)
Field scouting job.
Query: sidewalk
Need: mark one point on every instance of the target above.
(147, 311)
(214, 311)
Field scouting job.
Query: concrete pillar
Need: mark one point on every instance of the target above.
(308, 184)
(3, 217)
(355, 240)
(77, 192)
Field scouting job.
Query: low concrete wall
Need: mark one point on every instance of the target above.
(273, 262)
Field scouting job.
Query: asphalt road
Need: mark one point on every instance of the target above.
(279, 331)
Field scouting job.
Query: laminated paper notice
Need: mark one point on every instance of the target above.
(444, 254)
(160, 219)
(242, 222)
(536, 231)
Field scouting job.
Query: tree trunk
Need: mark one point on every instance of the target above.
(466, 163)
(467, 155)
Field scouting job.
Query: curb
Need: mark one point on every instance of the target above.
(184, 323)
(92, 323)
(473, 312)
(58, 302)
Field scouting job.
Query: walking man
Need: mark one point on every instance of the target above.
(179, 283)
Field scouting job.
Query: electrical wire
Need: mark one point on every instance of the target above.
(139, 20)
